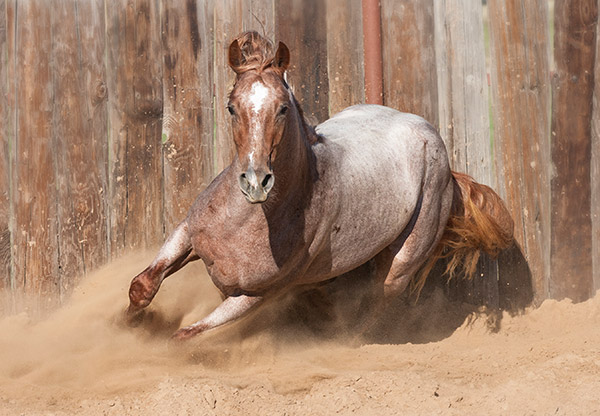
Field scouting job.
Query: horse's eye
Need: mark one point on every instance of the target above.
(283, 110)
(231, 110)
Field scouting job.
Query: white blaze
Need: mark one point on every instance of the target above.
(258, 94)
(257, 99)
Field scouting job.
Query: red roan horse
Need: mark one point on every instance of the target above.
(299, 206)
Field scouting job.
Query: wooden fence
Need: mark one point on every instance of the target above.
(112, 120)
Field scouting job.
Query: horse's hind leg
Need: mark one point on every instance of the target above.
(412, 250)
(397, 264)
(175, 253)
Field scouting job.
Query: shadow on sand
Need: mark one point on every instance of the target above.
(338, 308)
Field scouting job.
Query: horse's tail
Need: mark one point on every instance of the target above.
(479, 221)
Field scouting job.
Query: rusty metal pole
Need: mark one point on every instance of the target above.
(371, 11)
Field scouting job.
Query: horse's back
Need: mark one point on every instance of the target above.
(380, 145)
(378, 160)
(373, 126)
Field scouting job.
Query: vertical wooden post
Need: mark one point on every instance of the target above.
(6, 135)
(187, 125)
(345, 55)
(302, 26)
(259, 15)
(520, 85)
(227, 24)
(409, 69)
(595, 170)
(573, 86)
(462, 85)
(135, 112)
(371, 12)
(464, 113)
(79, 137)
(35, 247)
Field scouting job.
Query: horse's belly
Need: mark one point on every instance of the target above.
(357, 240)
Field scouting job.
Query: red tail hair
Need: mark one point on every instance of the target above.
(479, 221)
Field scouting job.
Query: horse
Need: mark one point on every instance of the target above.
(300, 205)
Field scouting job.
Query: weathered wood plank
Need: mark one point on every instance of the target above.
(345, 56)
(573, 85)
(228, 22)
(463, 114)
(187, 127)
(6, 135)
(409, 69)
(595, 171)
(301, 25)
(462, 87)
(259, 15)
(92, 44)
(520, 85)
(135, 111)
(34, 205)
(79, 138)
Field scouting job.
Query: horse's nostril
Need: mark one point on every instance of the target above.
(266, 180)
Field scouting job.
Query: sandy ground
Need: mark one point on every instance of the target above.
(436, 357)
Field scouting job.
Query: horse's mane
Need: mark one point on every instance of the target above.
(309, 129)
(257, 52)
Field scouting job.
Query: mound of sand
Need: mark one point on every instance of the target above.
(295, 357)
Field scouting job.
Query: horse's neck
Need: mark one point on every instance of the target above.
(297, 166)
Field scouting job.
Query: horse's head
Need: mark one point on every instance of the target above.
(258, 105)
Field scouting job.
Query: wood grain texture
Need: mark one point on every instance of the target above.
(463, 113)
(462, 86)
(187, 125)
(6, 135)
(92, 44)
(301, 25)
(521, 85)
(35, 252)
(259, 15)
(409, 70)
(345, 56)
(79, 138)
(595, 171)
(112, 119)
(228, 22)
(134, 111)
(573, 85)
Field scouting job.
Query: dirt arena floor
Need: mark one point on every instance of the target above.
(433, 358)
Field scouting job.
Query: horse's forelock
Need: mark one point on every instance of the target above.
(257, 52)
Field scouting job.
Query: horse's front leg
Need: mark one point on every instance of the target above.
(231, 309)
(175, 253)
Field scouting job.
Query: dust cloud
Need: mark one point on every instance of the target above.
(299, 355)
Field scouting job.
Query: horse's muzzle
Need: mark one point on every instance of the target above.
(255, 185)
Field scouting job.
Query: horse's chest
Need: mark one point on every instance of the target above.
(239, 259)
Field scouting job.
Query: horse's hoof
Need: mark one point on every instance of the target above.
(134, 317)
(184, 334)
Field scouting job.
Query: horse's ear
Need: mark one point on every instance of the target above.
(282, 57)
(235, 57)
